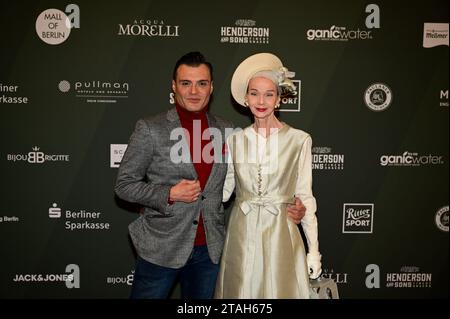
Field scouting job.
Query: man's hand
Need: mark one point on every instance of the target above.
(186, 191)
(296, 211)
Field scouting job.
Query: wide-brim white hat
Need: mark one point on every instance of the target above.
(249, 67)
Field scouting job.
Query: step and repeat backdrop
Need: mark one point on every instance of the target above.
(373, 93)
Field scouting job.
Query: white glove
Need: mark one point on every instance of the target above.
(314, 264)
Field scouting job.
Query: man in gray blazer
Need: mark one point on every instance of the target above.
(175, 168)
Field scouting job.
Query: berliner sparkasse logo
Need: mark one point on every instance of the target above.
(358, 218)
(79, 219)
(378, 97)
(9, 94)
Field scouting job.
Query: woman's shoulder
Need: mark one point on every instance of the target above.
(298, 132)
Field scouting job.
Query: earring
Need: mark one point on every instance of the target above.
(277, 105)
(246, 103)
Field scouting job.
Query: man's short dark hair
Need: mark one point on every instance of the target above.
(193, 59)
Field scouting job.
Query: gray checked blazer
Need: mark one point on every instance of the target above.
(164, 234)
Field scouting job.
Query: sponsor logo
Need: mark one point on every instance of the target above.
(324, 159)
(410, 159)
(342, 33)
(408, 277)
(116, 153)
(37, 157)
(71, 277)
(435, 34)
(121, 280)
(378, 97)
(358, 218)
(96, 91)
(338, 277)
(244, 31)
(441, 218)
(443, 98)
(9, 219)
(53, 26)
(80, 219)
(292, 103)
(11, 90)
(149, 28)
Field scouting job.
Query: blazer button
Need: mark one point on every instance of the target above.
(195, 222)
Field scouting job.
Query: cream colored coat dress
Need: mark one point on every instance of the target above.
(264, 255)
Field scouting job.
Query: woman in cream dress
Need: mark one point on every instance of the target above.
(269, 164)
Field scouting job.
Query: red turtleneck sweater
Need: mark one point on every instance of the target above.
(203, 169)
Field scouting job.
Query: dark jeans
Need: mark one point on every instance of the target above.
(197, 278)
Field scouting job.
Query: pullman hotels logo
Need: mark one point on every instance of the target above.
(149, 28)
(244, 31)
(96, 91)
